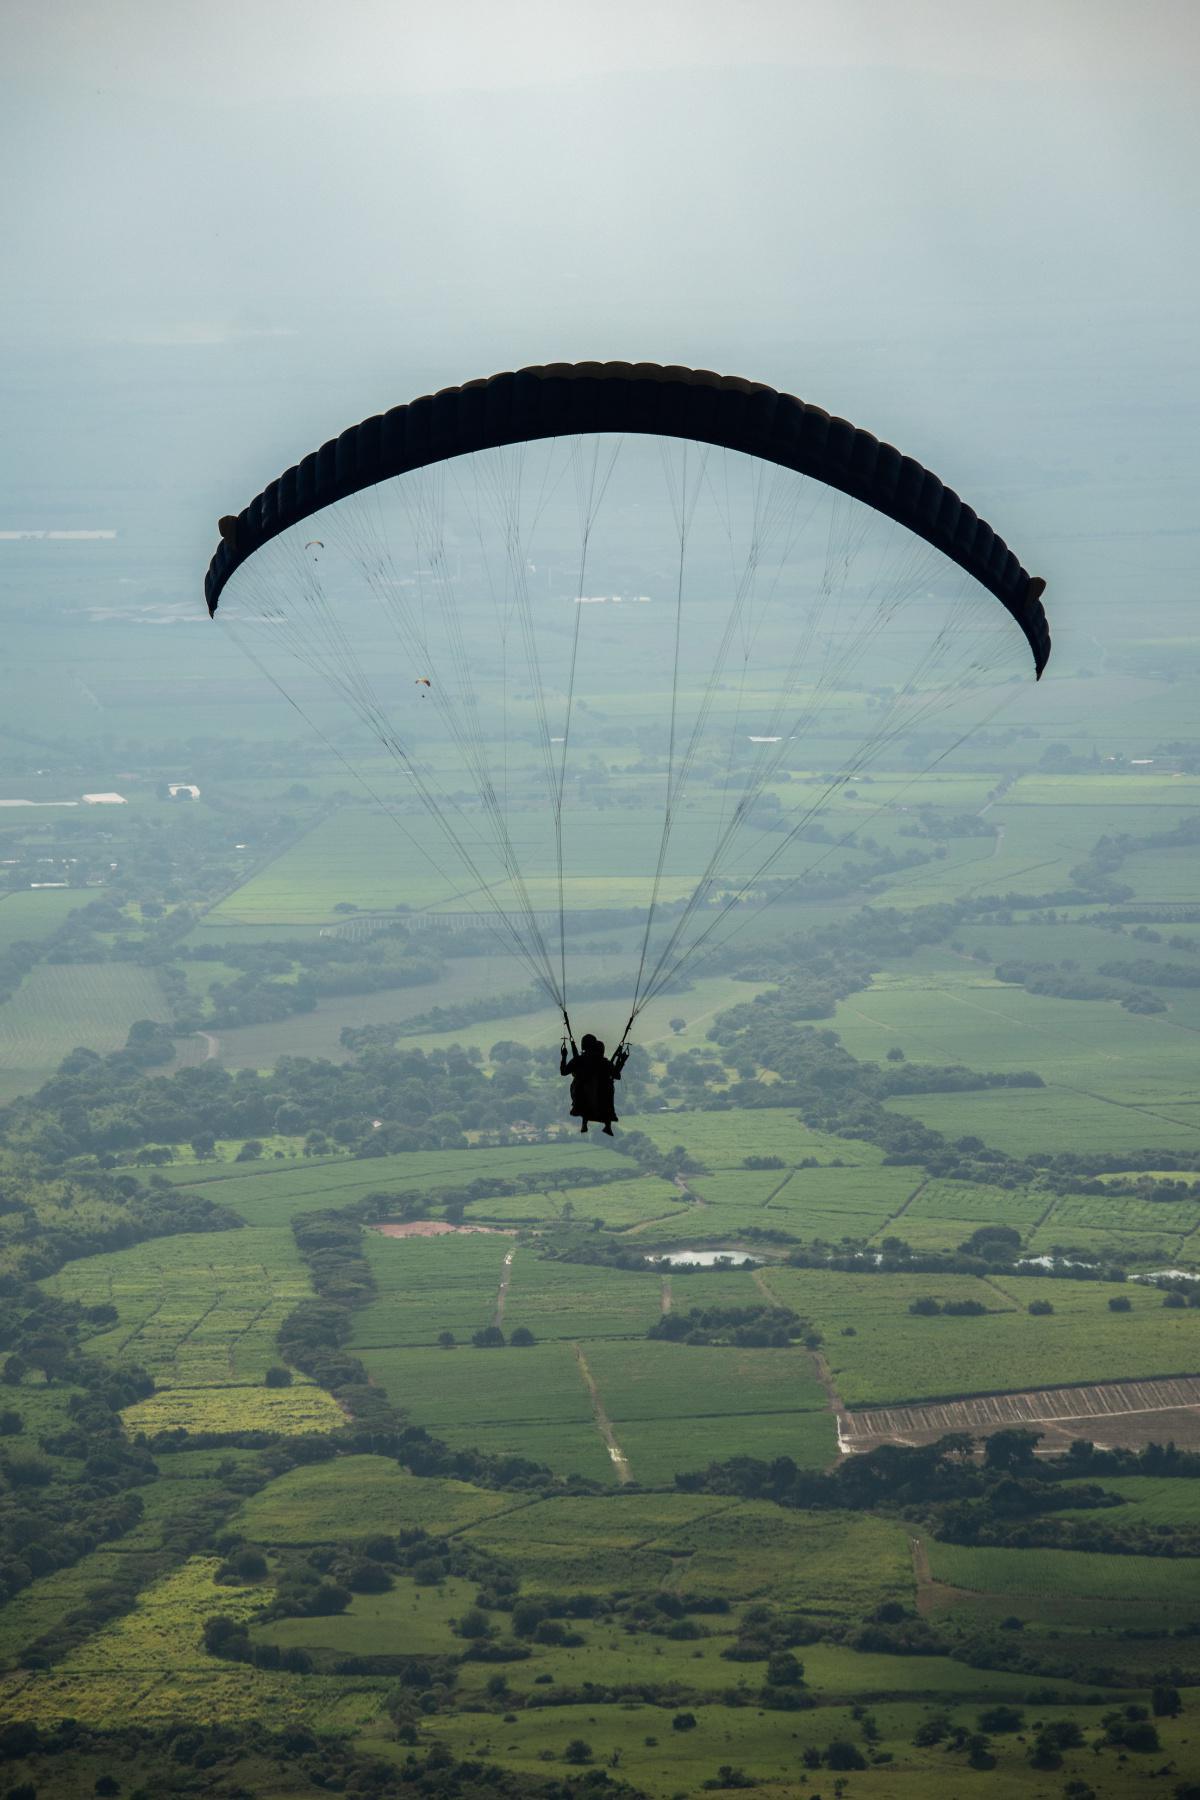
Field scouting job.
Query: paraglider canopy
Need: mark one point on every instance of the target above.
(776, 603)
(563, 399)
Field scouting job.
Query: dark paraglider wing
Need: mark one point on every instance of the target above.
(564, 399)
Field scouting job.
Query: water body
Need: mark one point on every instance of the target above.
(703, 1259)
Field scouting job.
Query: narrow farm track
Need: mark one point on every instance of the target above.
(212, 1045)
(676, 1212)
(689, 1193)
(502, 1293)
(778, 1189)
(922, 1578)
(840, 1417)
(885, 1228)
(665, 1305)
(237, 1336)
(620, 1461)
(759, 1278)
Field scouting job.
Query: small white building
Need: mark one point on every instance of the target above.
(104, 800)
(175, 788)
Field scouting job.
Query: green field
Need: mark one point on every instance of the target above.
(275, 1193)
(1172, 1582)
(309, 1505)
(31, 914)
(200, 1313)
(60, 1006)
(895, 1356)
(603, 1407)
(1055, 1118)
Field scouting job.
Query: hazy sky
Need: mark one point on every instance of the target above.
(229, 229)
(288, 48)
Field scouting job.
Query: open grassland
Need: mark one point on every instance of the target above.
(200, 1312)
(621, 1205)
(723, 1140)
(1151, 1500)
(43, 1605)
(701, 1544)
(30, 914)
(767, 1748)
(1172, 1582)
(678, 1407)
(1163, 875)
(593, 1379)
(541, 1028)
(1054, 1118)
(357, 1496)
(150, 1665)
(1114, 1079)
(464, 980)
(531, 1403)
(427, 1285)
(408, 1621)
(540, 1385)
(172, 1502)
(1136, 1230)
(655, 1380)
(60, 1006)
(358, 856)
(571, 1300)
(273, 1194)
(895, 1356)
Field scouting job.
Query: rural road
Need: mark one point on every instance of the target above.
(502, 1295)
(212, 1045)
(603, 1423)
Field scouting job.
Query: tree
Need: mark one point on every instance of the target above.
(677, 1025)
(522, 1337)
(474, 1624)
(1014, 1448)
(278, 1377)
(842, 1754)
(578, 1751)
(684, 1721)
(446, 1340)
(999, 1719)
(784, 1669)
(1165, 1702)
(369, 1577)
(247, 1565)
(490, 1338)
(979, 1751)
(1040, 1308)
(1120, 1303)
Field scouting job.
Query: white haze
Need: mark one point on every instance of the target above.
(227, 233)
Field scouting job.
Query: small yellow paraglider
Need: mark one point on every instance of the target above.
(422, 681)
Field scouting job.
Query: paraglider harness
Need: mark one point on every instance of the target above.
(593, 1076)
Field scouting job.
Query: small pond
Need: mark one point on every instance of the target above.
(702, 1259)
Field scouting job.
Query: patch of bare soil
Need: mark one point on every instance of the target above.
(1112, 1413)
(436, 1228)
